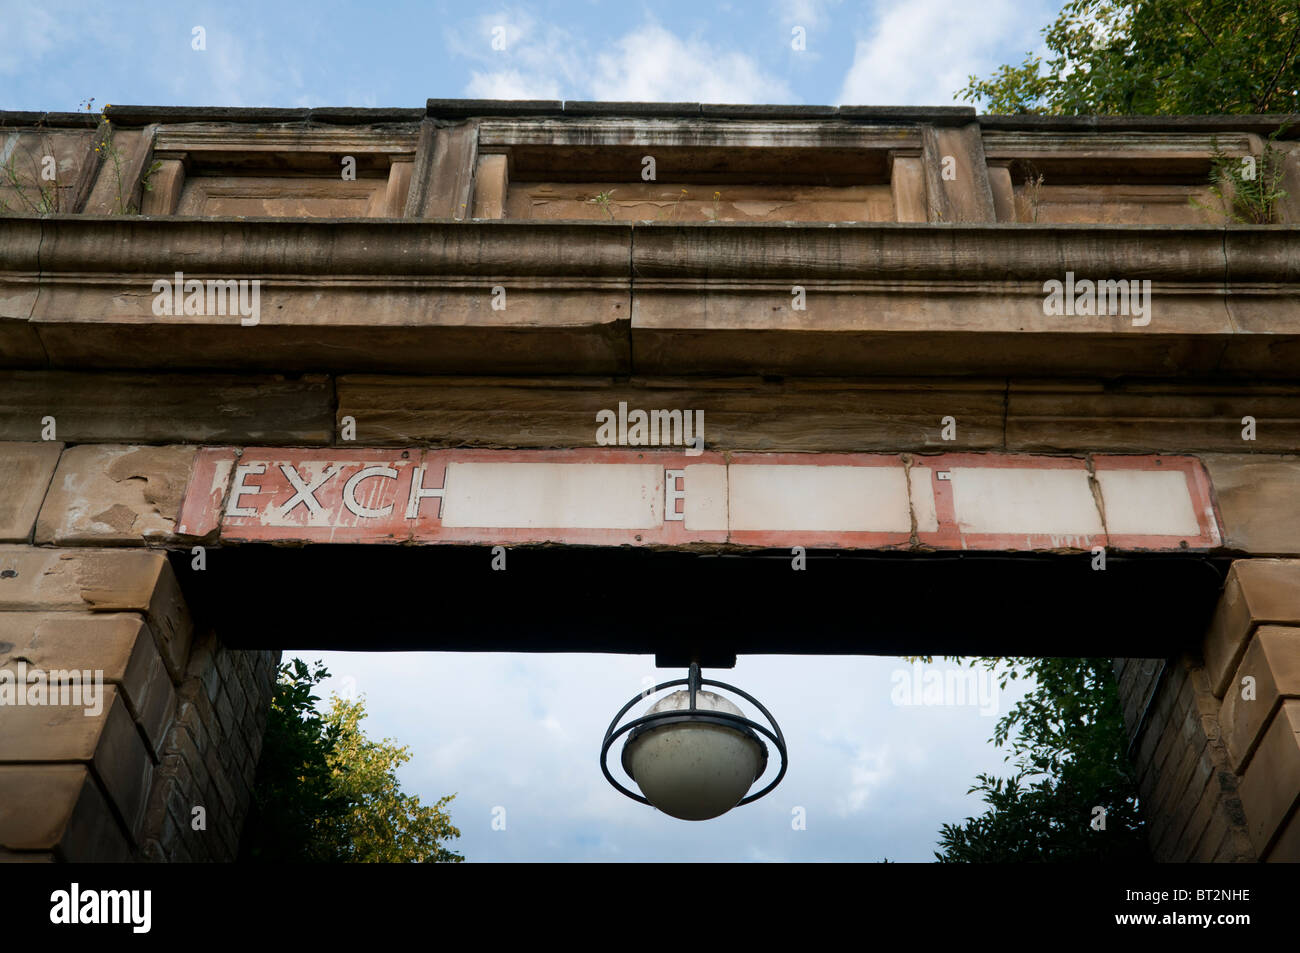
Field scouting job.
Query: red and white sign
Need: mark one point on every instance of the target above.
(652, 497)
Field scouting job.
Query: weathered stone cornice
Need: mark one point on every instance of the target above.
(1163, 146)
(457, 109)
(756, 133)
(337, 248)
(68, 243)
(1261, 124)
(962, 252)
(589, 297)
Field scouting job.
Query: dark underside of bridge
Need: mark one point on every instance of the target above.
(679, 605)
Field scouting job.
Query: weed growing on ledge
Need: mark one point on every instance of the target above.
(1248, 190)
(602, 200)
(47, 198)
(672, 211)
(1031, 196)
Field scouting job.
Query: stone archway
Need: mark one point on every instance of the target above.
(882, 379)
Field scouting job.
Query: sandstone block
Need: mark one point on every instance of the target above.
(1258, 502)
(101, 580)
(1257, 591)
(1286, 849)
(25, 471)
(120, 645)
(107, 742)
(115, 495)
(57, 808)
(156, 408)
(1272, 659)
(1270, 787)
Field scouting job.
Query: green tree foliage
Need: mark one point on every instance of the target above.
(1068, 739)
(326, 793)
(295, 814)
(1152, 57)
(384, 825)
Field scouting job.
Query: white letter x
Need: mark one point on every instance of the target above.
(306, 494)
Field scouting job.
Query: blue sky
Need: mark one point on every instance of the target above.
(54, 54)
(874, 779)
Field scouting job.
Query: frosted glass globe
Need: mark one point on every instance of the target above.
(690, 770)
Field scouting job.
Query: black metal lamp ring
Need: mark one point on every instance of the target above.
(725, 719)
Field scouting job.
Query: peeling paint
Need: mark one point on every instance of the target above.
(980, 501)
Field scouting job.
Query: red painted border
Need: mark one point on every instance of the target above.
(950, 535)
(1199, 488)
(207, 497)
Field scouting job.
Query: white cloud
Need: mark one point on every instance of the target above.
(653, 64)
(921, 52)
(649, 63)
(870, 769)
(512, 84)
(30, 33)
(536, 61)
(235, 74)
(804, 13)
(553, 727)
(452, 756)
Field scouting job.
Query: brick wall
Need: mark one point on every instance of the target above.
(209, 757)
(1188, 790)
(1215, 734)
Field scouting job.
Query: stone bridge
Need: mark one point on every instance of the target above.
(274, 379)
